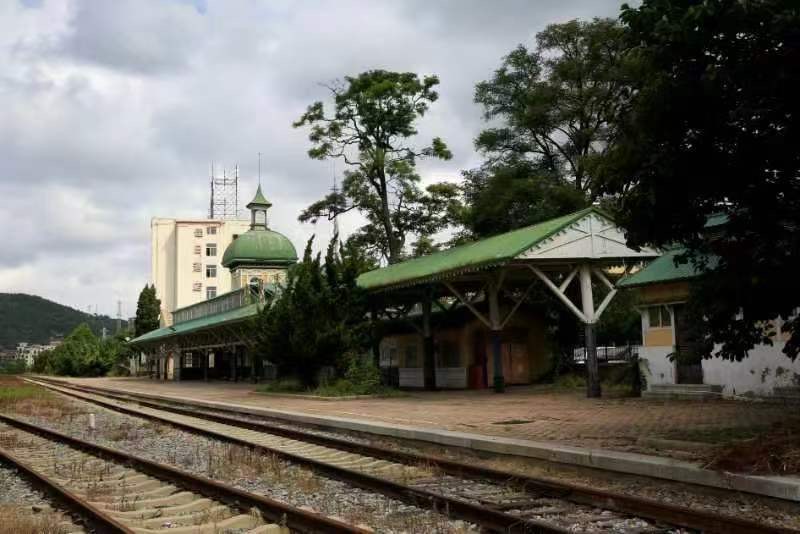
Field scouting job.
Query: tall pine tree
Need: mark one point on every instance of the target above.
(147, 311)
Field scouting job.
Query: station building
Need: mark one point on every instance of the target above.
(459, 318)
(212, 339)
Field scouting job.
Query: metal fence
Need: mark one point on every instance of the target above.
(611, 354)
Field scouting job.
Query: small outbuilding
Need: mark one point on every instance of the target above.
(663, 290)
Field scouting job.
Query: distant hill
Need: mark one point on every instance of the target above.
(37, 320)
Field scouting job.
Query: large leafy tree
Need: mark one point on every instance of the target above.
(714, 128)
(370, 128)
(319, 317)
(555, 104)
(147, 311)
(503, 197)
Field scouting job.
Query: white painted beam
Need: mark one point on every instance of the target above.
(558, 293)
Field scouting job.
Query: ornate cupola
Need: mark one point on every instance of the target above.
(258, 209)
(260, 255)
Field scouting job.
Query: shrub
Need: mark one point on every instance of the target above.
(570, 381)
(13, 367)
(282, 385)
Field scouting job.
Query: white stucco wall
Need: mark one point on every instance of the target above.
(655, 366)
(765, 368)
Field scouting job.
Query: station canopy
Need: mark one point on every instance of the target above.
(559, 245)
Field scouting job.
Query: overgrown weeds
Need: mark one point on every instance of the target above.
(24, 521)
(20, 398)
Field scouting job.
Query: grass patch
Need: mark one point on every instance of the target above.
(346, 388)
(21, 398)
(12, 394)
(614, 385)
(774, 450)
(569, 381)
(338, 388)
(282, 385)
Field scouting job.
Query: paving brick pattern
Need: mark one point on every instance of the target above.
(534, 413)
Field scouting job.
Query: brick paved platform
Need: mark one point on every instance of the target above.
(530, 413)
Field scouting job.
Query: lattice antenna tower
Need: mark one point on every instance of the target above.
(224, 195)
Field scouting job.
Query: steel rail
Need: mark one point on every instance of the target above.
(487, 517)
(646, 508)
(98, 520)
(276, 511)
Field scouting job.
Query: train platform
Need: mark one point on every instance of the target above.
(663, 438)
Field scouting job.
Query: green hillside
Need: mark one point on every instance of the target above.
(37, 320)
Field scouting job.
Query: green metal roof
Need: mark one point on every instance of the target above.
(662, 270)
(201, 323)
(470, 257)
(259, 201)
(259, 246)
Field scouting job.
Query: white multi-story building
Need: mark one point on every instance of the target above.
(186, 260)
(28, 352)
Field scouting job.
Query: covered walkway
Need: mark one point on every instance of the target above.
(210, 340)
(580, 248)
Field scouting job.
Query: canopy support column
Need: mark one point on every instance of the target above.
(234, 364)
(493, 289)
(429, 360)
(177, 366)
(375, 341)
(205, 365)
(587, 303)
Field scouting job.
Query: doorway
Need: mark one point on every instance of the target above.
(688, 363)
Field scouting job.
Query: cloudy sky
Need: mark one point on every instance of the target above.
(112, 110)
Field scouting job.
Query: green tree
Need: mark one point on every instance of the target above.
(370, 129)
(148, 309)
(713, 129)
(80, 354)
(319, 316)
(556, 104)
(499, 197)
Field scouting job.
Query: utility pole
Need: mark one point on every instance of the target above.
(119, 316)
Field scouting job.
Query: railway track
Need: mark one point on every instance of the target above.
(120, 493)
(494, 499)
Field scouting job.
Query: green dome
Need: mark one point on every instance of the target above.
(259, 246)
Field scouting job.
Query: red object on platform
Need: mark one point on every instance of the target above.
(477, 379)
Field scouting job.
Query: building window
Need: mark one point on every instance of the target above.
(198, 232)
(411, 356)
(197, 249)
(448, 354)
(211, 292)
(235, 236)
(188, 360)
(211, 230)
(196, 267)
(659, 317)
(211, 271)
(211, 249)
(197, 286)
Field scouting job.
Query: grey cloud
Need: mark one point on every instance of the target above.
(142, 36)
(117, 108)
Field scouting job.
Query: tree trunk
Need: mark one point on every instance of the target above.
(386, 216)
